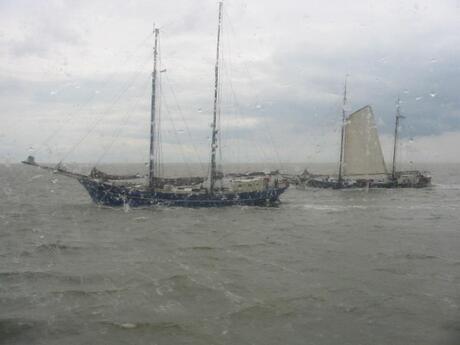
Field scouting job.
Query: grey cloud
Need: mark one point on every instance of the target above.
(288, 72)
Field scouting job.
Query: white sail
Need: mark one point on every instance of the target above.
(362, 153)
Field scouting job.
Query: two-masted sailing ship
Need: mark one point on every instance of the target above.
(215, 190)
(361, 162)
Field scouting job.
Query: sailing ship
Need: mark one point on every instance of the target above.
(361, 162)
(236, 189)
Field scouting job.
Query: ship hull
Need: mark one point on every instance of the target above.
(407, 180)
(107, 194)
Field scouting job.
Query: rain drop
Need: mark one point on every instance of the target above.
(433, 94)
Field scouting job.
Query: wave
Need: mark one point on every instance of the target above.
(156, 326)
(24, 274)
(85, 293)
(392, 270)
(419, 256)
(249, 245)
(56, 247)
(48, 276)
(199, 248)
(333, 208)
(447, 186)
(253, 311)
(11, 328)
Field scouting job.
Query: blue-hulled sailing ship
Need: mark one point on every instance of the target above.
(215, 190)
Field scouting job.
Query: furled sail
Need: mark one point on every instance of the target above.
(362, 153)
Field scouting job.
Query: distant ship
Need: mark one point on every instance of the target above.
(216, 190)
(361, 162)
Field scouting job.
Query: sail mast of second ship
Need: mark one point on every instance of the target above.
(342, 136)
(395, 144)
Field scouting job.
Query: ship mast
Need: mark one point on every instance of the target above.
(212, 174)
(342, 136)
(152, 114)
(395, 144)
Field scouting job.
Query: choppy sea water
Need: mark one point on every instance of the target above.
(325, 267)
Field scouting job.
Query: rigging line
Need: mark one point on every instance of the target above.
(235, 112)
(264, 120)
(233, 103)
(222, 67)
(228, 87)
(179, 109)
(159, 143)
(171, 119)
(174, 130)
(239, 119)
(237, 105)
(228, 71)
(118, 132)
(70, 117)
(219, 101)
(239, 116)
(104, 114)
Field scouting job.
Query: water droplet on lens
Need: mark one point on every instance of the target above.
(433, 94)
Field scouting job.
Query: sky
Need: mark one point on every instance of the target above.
(75, 78)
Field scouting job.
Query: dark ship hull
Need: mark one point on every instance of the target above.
(104, 193)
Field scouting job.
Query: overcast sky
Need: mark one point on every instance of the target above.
(75, 77)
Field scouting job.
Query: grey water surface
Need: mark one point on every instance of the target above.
(325, 267)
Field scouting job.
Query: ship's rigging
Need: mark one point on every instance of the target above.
(252, 189)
